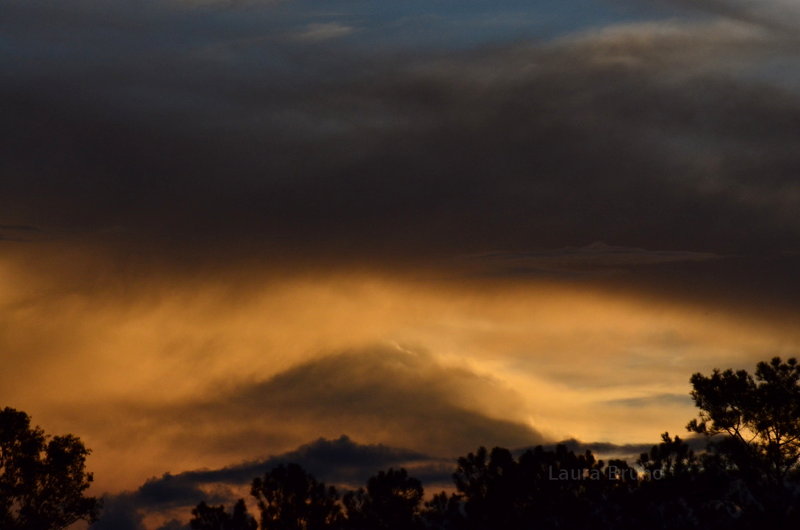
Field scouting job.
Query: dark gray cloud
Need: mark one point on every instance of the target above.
(120, 512)
(628, 452)
(595, 258)
(637, 143)
(19, 228)
(197, 138)
(342, 461)
(338, 461)
(665, 399)
(20, 233)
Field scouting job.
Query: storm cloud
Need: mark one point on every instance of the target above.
(341, 462)
(356, 154)
(546, 218)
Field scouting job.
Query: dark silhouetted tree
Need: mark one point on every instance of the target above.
(391, 501)
(671, 458)
(42, 478)
(443, 512)
(291, 499)
(485, 483)
(553, 488)
(678, 491)
(760, 415)
(753, 427)
(205, 517)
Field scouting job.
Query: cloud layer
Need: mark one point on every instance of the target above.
(211, 212)
(341, 462)
(630, 135)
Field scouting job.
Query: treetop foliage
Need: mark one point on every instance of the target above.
(42, 479)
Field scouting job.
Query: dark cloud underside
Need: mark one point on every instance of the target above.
(631, 138)
(204, 149)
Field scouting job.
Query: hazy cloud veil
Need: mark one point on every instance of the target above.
(229, 229)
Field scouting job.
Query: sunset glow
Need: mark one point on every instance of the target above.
(231, 229)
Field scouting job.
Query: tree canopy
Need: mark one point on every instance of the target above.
(205, 517)
(292, 499)
(760, 415)
(43, 480)
(391, 501)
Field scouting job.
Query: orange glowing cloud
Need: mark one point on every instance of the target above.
(160, 375)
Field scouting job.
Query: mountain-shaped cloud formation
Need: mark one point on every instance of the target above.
(380, 394)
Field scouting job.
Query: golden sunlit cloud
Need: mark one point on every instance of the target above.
(212, 370)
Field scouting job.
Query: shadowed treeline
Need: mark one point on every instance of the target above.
(540, 489)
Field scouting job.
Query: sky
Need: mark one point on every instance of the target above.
(361, 234)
